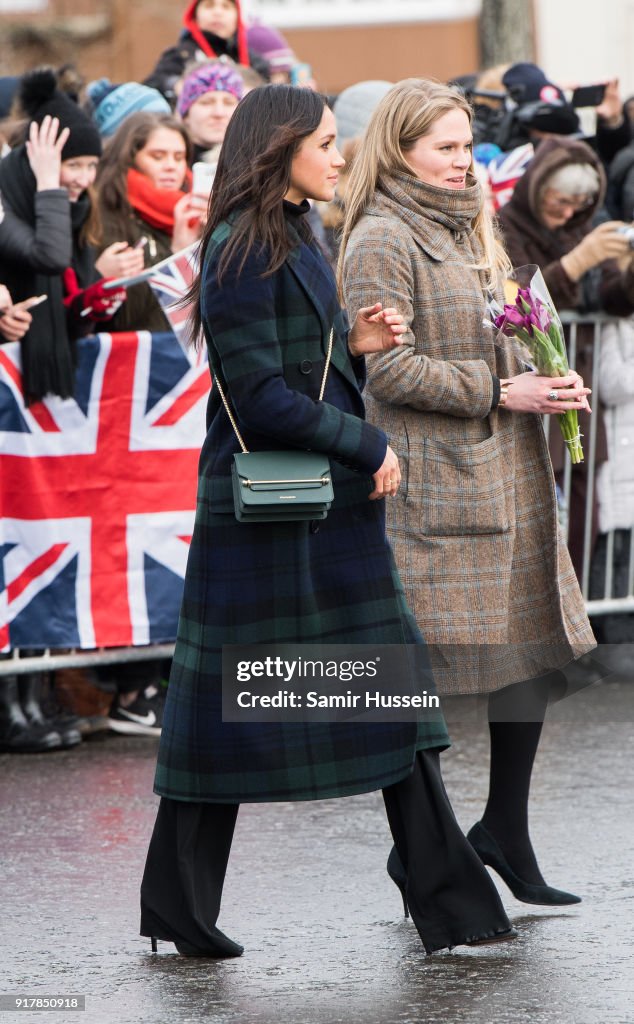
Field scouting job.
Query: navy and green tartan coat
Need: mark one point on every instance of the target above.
(333, 582)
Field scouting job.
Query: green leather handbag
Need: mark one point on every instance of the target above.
(280, 486)
(288, 485)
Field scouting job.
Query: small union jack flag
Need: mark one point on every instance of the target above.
(170, 281)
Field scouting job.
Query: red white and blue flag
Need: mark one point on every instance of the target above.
(170, 282)
(97, 495)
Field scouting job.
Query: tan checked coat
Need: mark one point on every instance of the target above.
(474, 526)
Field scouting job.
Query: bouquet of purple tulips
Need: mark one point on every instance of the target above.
(533, 320)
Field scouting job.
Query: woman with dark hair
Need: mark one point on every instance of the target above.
(143, 186)
(266, 302)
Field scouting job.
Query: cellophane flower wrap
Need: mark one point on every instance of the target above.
(529, 316)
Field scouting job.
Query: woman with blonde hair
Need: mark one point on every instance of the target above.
(474, 526)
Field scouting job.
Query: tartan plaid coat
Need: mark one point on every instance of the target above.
(474, 525)
(332, 581)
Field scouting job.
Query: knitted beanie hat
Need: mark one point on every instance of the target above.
(112, 104)
(218, 77)
(355, 105)
(38, 96)
(272, 46)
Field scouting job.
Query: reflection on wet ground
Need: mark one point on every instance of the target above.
(308, 896)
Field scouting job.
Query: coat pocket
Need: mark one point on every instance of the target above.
(462, 489)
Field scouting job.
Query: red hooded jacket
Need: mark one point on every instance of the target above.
(189, 22)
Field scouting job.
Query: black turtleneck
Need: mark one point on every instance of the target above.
(296, 209)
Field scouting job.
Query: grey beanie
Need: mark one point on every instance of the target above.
(354, 108)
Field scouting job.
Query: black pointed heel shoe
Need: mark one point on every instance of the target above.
(490, 853)
(222, 947)
(396, 871)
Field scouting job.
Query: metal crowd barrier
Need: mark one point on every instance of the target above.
(608, 603)
(49, 660)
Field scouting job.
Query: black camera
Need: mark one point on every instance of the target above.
(509, 124)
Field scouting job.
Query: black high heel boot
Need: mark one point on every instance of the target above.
(490, 853)
(223, 946)
(396, 871)
(218, 944)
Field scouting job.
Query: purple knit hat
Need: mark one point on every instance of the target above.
(209, 78)
(268, 43)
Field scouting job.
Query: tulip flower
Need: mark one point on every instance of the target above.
(535, 323)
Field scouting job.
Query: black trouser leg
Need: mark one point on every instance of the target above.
(185, 871)
(451, 898)
(516, 716)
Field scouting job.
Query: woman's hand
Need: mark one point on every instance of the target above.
(604, 242)
(44, 150)
(376, 330)
(611, 109)
(528, 392)
(14, 320)
(387, 479)
(120, 260)
(190, 217)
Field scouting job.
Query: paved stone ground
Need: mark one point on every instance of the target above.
(308, 896)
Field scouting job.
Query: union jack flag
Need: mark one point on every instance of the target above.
(505, 171)
(170, 281)
(97, 495)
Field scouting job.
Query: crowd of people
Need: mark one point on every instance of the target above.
(409, 203)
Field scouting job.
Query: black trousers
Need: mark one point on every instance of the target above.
(451, 897)
(452, 900)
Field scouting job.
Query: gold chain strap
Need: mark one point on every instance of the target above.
(230, 414)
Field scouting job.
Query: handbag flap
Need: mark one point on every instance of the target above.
(284, 477)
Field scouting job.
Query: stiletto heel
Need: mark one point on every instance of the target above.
(490, 853)
(396, 871)
(218, 944)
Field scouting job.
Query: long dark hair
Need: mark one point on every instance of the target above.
(254, 175)
(119, 155)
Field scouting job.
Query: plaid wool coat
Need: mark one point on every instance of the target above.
(332, 581)
(474, 526)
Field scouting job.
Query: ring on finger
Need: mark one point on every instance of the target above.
(553, 396)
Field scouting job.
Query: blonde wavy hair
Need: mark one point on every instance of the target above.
(405, 114)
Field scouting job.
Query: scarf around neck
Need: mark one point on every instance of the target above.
(154, 205)
(455, 209)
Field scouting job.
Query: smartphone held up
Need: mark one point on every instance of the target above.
(203, 178)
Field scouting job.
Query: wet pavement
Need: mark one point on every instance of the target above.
(307, 894)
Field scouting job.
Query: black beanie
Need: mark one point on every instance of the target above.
(39, 96)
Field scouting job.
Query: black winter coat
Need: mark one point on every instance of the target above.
(39, 239)
(173, 61)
